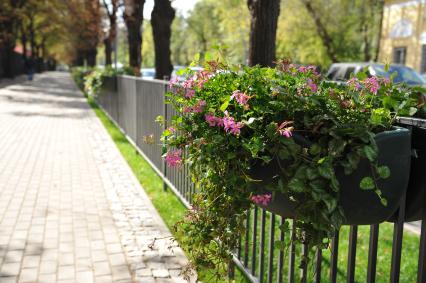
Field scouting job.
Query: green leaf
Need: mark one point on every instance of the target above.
(383, 171)
(159, 120)
(361, 75)
(367, 183)
(311, 173)
(370, 153)
(384, 201)
(326, 170)
(315, 149)
(224, 105)
(296, 185)
(284, 154)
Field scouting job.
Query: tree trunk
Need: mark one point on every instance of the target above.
(24, 43)
(380, 4)
(161, 20)
(263, 31)
(110, 40)
(321, 30)
(91, 57)
(108, 51)
(133, 17)
(32, 37)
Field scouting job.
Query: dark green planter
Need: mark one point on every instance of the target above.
(360, 206)
(416, 191)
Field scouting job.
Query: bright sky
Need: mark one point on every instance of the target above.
(181, 6)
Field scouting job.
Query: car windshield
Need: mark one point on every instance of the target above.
(403, 74)
(148, 73)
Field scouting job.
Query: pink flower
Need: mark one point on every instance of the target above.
(302, 69)
(189, 93)
(173, 158)
(187, 110)
(285, 129)
(231, 126)
(261, 199)
(198, 108)
(211, 119)
(312, 85)
(241, 97)
(173, 82)
(372, 84)
(188, 84)
(354, 83)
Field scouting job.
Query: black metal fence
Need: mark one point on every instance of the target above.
(384, 252)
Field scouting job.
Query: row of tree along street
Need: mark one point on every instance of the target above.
(254, 31)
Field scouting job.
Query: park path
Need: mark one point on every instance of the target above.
(71, 210)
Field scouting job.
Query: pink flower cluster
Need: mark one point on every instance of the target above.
(241, 97)
(311, 68)
(213, 120)
(312, 85)
(261, 199)
(201, 78)
(230, 125)
(354, 83)
(173, 158)
(197, 108)
(227, 122)
(372, 84)
(285, 129)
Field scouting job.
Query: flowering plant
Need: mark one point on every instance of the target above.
(234, 118)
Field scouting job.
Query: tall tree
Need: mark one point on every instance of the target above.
(111, 10)
(263, 31)
(133, 17)
(161, 20)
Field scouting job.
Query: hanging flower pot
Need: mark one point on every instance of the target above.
(360, 207)
(321, 153)
(416, 191)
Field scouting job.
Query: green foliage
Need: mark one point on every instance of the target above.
(79, 74)
(94, 79)
(234, 121)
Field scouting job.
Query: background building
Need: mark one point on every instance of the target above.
(403, 37)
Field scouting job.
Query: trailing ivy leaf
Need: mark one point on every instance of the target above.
(271, 129)
(296, 185)
(383, 171)
(326, 170)
(367, 183)
(311, 173)
(384, 201)
(370, 153)
(315, 149)
(412, 111)
(336, 146)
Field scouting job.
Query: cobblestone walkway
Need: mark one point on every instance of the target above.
(70, 208)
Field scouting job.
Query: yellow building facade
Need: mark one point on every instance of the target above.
(403, 36)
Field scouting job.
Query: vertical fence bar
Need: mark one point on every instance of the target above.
(254, 243)
(292, 254)
(398, 233)
(372, 253)
(350, 278)
(262, 245)
(421, 274)
(246, 240)
(318, 261)
(281, 255)
(271, 248)
(334, 257)
(304, 270)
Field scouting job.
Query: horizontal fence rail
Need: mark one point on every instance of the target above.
(356, 253)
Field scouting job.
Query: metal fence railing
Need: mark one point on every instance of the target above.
(357, 253)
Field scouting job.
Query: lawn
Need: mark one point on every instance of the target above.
(172, 210)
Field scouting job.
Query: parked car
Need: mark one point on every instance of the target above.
(341, 72)
(148, 73)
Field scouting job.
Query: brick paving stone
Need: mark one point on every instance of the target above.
(71, 209)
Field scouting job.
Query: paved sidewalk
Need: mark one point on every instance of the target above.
(70, 208)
